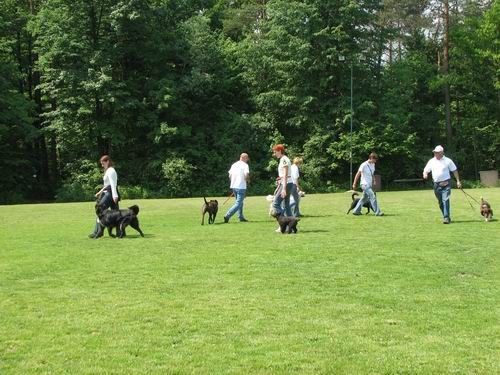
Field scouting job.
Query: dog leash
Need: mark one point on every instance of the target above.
(229, 197)
(468, 200)
(470, 196)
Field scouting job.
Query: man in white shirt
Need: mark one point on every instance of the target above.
(285, 186)
(239, 175)
(366, 171)
(440, 167)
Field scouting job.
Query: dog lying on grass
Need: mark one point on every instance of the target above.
(118, 219)
(486, 210)
(355, 202)
(211, 207)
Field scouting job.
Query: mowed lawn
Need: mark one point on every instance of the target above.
(401, 293)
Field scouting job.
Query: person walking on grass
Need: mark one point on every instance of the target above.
(285, 183)
(239, 174)
(295, 174)
(366, 172)
(108, 196)
(440, 167)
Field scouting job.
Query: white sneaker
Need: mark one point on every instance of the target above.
(278, 230)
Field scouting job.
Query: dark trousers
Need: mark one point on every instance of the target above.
(105, 200)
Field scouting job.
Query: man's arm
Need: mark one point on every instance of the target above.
(356, 178)
(457, 177)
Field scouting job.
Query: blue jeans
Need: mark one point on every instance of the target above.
(278, 199)
(106, 200)
(296, 198)
(238, 205)
(442, 194)
(368, 195)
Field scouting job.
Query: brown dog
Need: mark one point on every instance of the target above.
(486, 210)
(211, 207)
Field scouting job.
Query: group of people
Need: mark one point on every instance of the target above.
(288, 186)
(287, 189)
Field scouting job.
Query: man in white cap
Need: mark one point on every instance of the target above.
(440, 166)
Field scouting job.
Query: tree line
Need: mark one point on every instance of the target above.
(175, 90)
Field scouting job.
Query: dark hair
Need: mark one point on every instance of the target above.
(106, 158)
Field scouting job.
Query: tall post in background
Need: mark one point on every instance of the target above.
(350, 133)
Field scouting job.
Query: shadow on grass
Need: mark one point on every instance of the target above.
(314, 231)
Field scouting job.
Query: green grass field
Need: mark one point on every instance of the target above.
(399, 294)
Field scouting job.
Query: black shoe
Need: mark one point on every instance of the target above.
(226, 220)
(446, 220)
(92, 235)
(244, 220)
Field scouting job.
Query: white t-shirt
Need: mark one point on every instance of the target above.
(367, 171)
(238, 175)
(111, 179)
(440, 169)
(295, 173)
(284, 161)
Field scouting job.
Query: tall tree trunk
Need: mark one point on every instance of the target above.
(447, 100)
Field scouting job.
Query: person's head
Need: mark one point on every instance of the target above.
(298, 161)
(244, 157)
(106, 161)
(373, 157)
(438, 152)
(278, 150)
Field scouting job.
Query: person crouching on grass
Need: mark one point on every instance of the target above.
(366, 171)
(440, 167)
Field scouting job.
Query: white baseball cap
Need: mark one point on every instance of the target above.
(438, 148)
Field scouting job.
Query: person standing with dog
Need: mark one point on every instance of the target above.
(295, 175)
(239, 174)
(108, 196)
(366, 172)
(440, 167)
(285, 186)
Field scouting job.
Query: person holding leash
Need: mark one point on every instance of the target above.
(108, 196)
(239, 174)
(440, 167)
(285, 187)
(366, 172)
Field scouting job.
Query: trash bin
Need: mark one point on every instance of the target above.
(489, 178)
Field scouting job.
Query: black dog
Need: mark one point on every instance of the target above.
(355, 202)
(211, 207)
(287, 224)
(118, 219)
(486, 210)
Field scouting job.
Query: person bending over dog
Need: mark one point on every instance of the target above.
(108, 196)
(238, 174)
(366, 171)
(440, 167)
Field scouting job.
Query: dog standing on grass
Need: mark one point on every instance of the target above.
(118, 219)
(486, 210)
(211, 207)
(288, 224)
(355, 202)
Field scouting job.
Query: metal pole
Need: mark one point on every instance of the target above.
(350, 133)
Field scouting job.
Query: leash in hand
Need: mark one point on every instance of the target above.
(229, 197)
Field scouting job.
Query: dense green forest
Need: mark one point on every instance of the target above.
(175, 90)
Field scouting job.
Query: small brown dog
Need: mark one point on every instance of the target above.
(211, 207)
(486, 210)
